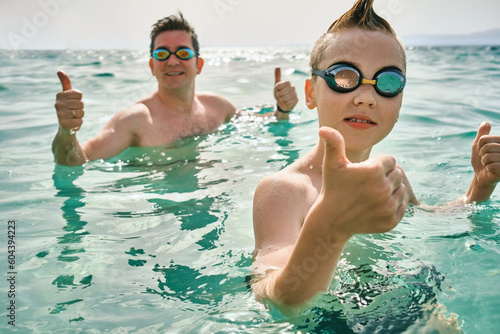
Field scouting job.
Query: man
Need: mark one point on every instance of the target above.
(172, 112)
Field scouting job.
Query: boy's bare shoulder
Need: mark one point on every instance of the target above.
(288, 186)
(289, 178)
(281, 202)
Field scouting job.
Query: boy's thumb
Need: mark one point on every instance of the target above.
(334, 147)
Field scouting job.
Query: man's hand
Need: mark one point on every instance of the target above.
(284, 92)
(69, 106)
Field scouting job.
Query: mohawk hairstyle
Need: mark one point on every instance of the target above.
(361, 15)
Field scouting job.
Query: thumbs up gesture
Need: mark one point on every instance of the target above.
(366, 197)
(69, 106)
(284, 92)
(485, 160)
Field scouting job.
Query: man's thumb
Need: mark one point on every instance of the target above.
(334, 147)
(277, 74)
(65, 80)
(484, 129)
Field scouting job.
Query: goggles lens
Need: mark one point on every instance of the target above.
(344, 78)
(182, 54)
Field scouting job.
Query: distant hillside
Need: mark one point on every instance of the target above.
(489, 37)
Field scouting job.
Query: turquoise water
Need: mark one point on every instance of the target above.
(160, 240)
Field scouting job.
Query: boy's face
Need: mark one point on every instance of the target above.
(362, 116)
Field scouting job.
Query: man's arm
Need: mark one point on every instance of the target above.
(286, 99)
(69, 106)
(114, 138)
(285, 95)
(294, 262)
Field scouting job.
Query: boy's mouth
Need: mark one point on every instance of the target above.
(360, 123)
(357, 120)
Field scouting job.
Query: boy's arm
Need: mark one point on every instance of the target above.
(411, 197)
(294, 262)
(485, 160)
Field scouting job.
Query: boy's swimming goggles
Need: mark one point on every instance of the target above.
(344, 78)
(182, 54)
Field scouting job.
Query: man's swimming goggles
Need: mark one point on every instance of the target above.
(344, 78)
(182, 54)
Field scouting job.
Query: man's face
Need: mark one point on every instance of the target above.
(175, 73)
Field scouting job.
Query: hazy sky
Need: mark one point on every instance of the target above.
(84, 24)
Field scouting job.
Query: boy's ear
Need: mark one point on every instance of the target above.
(309, 90)
(199, 65)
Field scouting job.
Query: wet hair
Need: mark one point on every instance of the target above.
(173, 23)
(362, 16)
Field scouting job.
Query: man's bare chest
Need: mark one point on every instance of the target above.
(167, 130)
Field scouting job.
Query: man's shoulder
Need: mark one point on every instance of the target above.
(137, 110)
(213, 99)
(210, 96)
(132, 117)
(216, 104)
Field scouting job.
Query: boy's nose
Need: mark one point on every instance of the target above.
(366, 95)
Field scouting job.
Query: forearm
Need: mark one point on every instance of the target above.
(294, 287)
(478, 193)
(309, 269)
(67, 150)
(265, 290)
(282, 116)
(311, 266)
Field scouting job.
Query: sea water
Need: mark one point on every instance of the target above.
(160, 240)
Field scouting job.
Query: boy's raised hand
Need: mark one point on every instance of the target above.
(367, 197)
(69, 105)
(485, 160)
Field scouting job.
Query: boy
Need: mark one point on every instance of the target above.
(305, 214)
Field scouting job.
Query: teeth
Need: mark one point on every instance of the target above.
(174, 73)
(358, 120)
